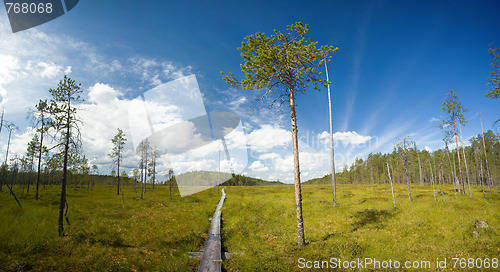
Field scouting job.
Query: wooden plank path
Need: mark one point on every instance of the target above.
(211, 259)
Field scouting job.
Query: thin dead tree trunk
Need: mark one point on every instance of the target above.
(334, 185)
(465, 161)
(170, 190)
(118, 173)
(419, 166)
(432, 181)
(371, 177)
(441, 179)
(8, 146)
(479, 167)
(407, 176)
(452, 168)
(4, 179)
(39, 159)
(63, 202)
(481, 175)
(485, 155)
(142, 176)
(146, 169)
(392, 187)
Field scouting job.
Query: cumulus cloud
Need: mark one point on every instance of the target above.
(258, 167)
(32, 62)
(346, 138)
(268, 137)
(50, 69)
(103, 93)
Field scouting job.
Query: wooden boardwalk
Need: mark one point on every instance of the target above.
(211, 259)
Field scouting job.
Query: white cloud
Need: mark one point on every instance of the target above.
(428, 149)
(433, 119)
(268, 137)
(31, 62)
(257, 166)
(8, 69)
(103, 93)
(49, 70)
(269, 156)
(347, 137)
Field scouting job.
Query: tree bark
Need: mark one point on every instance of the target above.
(441, 180)
(392, 188)
(407, 176)
(118, 169)
(432, 181)
(298, 193)
(452, 168)
(461, 182)
(465, 161)
(334, 185)
(62, 203)
(39, 160)
(419, 167)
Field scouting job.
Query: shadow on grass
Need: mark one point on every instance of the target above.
(370, 216)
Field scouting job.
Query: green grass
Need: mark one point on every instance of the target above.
(260, 225)
(107, 232)
(115, 233)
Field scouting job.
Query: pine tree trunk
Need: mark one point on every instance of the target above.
(39, 159)
(392, 188)
(62, 203)
(461, 181)
(298, 193)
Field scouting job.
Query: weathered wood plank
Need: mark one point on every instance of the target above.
(211, 259)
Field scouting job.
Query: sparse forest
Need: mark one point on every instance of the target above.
(58, 212)
(425, 168)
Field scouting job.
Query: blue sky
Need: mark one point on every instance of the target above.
(396, 60)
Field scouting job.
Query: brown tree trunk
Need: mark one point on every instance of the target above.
(461, 182)
(62, 203)
(298, 193)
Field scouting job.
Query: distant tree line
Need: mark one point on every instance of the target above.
(424, 166)
(240, 180)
